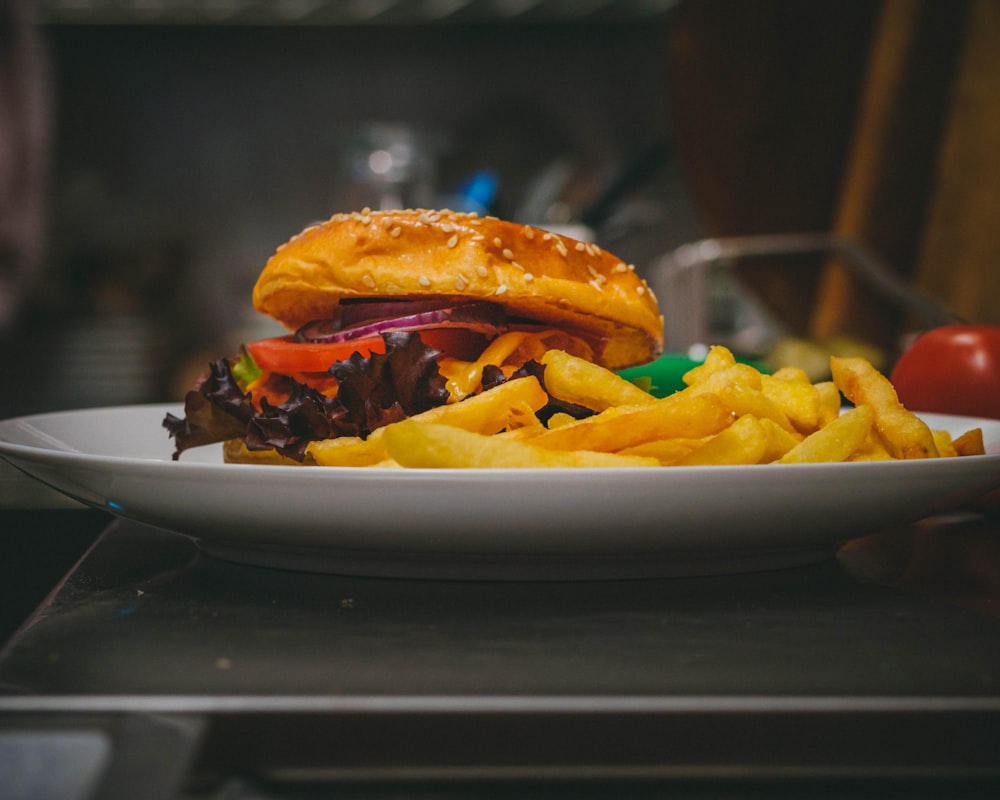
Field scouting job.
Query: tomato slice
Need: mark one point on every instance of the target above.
(284, 355)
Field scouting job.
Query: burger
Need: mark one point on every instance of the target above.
(391, 313)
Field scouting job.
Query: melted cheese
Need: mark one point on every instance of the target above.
(508, 352)
(464, 377)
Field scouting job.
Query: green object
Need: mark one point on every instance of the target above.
(245, 370)
(666, 375)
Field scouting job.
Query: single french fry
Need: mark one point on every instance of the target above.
(487, 412)
(779, 441)
(944, 444)
(797, 399)
(830, 401)
(236, 450)
(666, 451)
(970, 443)
(743, 442)
(718, 358)
(522, 416)
(792, 374)
(677, 415)
(349, 451)
(430, 445)
(721, 377)
(560, 419)
(905, 435)
(744, 400)
(581, 382)
(871, 449)
(739, 387)
(836, 441)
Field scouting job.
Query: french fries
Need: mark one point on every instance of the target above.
(728, 414)
(429, 444)
(837, 441)
(584, 383)
(615, 429)
(502, 407)
(904, 434)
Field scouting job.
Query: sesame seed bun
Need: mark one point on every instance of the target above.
(533, 274)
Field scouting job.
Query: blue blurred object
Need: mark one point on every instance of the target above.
(476, 193)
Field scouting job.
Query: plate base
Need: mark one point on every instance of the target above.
(501, 567)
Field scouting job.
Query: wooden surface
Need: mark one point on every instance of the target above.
(878, 121)
(889, 168)
(959, 259)
(762, 100)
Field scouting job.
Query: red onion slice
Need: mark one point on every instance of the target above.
(485, 318)
(354, 312)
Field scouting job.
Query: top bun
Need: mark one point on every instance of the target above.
(532, 273)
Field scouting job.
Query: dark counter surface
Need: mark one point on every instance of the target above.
(881, 665)
(147, 614)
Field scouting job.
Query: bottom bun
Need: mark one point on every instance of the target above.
(234, 451)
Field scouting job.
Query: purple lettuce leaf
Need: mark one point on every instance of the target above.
(373, 392)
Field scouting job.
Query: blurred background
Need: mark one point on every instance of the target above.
(153, 153)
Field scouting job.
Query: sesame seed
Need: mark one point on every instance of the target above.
(461, 283)
(501, 288)
(631, 267)
(368, 281)
(546, 236)
(423, 280)
(395, 232)
(498, 242)
(481, 271)
(596, 285)
(529, 232)
(478, 237)
(508, 254)
(594, 273)
(620, 267)
(528, 277)
(640, 289)
(387, 221)
(447, 227)
(562, 249)
(580, 247)
(516, 266)
(453, 241)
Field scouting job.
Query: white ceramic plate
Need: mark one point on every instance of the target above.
(514, 524)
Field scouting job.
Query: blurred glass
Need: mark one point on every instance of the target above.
(386, 166)
(702, 302)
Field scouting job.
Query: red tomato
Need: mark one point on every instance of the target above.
(284, 355)
(954, 369)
